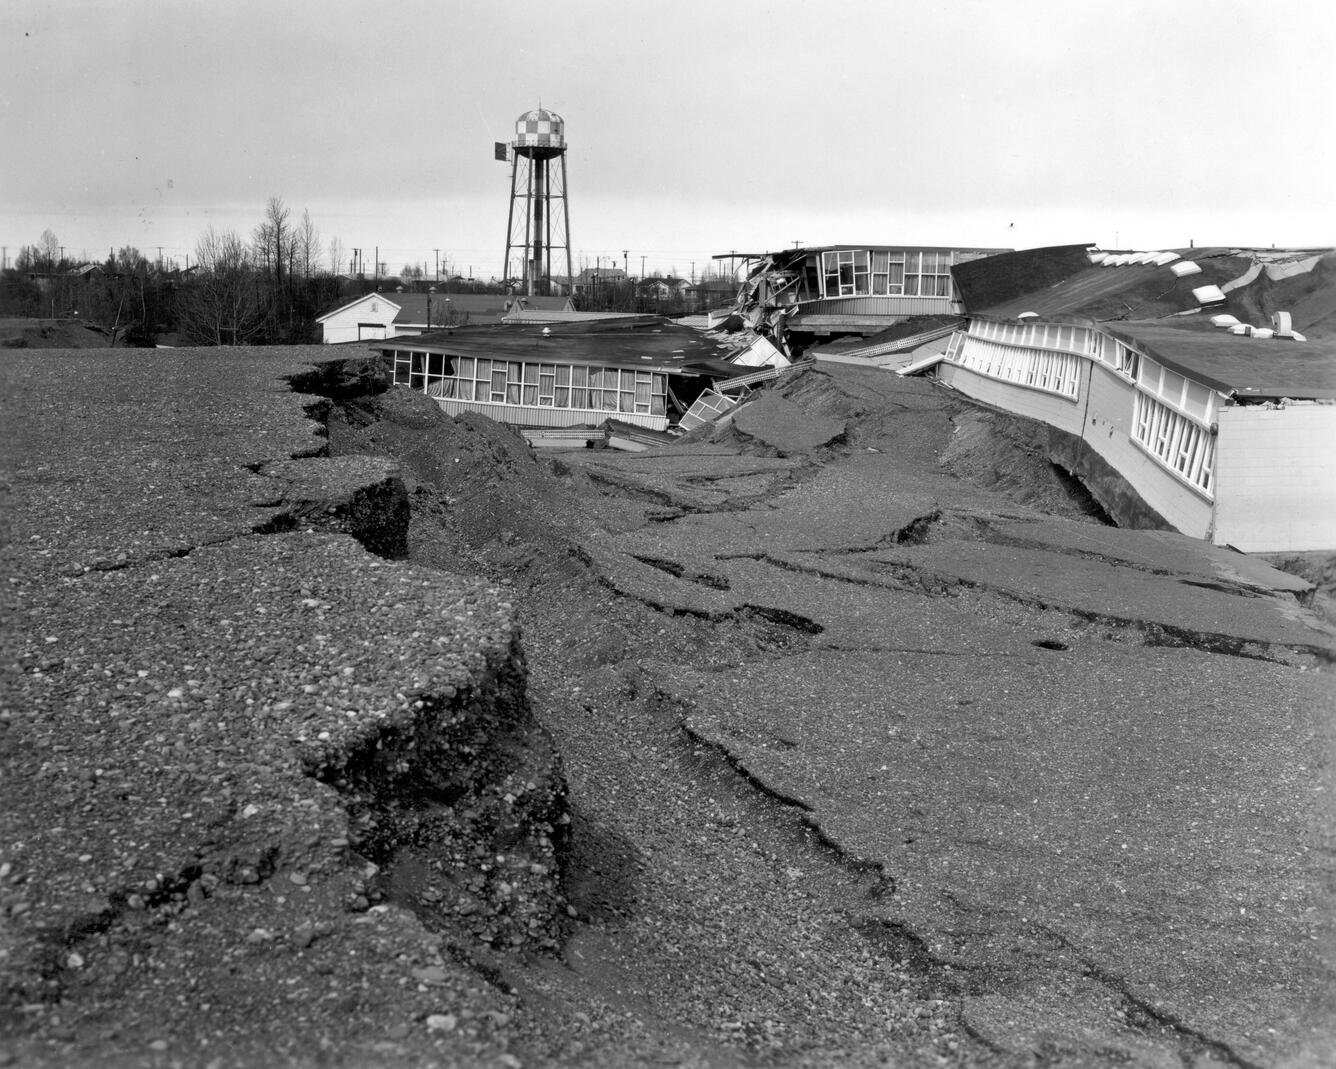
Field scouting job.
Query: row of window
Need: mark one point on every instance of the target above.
(1181, 444)
(872, 272)
(514, 382)
(1041, 369)
(1171, 414)
(1068, 337)
(1173, 389)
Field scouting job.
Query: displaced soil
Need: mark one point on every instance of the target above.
(848, 736)
(19, 333)
(724, 919)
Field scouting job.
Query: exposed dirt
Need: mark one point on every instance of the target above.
(51, 334)
(718, 926)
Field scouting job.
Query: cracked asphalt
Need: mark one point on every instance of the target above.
(869, 763)
(1095, 763)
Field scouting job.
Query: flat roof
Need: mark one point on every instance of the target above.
(1261, 368)
(648, 343)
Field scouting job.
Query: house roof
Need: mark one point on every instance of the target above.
(1253, 368)
(649, 343)
(412, 307)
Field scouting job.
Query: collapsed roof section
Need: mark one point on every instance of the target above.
(803, 296)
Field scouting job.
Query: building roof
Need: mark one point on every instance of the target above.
(649, 343)
(412, 307)
(1256, 368)
(1152, 305)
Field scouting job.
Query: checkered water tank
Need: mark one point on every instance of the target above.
(539, 129)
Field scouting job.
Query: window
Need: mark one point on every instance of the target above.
(1181, 444)
(846, 272)
(1040, 369)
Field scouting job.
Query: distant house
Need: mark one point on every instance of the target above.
(592, 278)
(1173, 413)
(665, 288)
(712, 293)
(377, 316)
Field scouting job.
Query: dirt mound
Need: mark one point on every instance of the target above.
(50, 334)
(493, 505)
(995, 451)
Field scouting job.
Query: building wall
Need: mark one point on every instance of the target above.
(1101, 416)
(535, 416)
(1051, 408)
(881, 306)
(359, 322)
(1107, 430)
(1276, 478)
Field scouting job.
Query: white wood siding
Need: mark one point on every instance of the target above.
(1055, 409)
(1108, 431)
(1101, 415)
(1276, 478)
(351, 323)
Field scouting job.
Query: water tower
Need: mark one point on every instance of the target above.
(538, 219)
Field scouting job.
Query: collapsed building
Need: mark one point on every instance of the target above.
(1190, 389)
(801, 297)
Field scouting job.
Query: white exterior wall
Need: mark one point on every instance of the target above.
(1276, 478)
(546, 416)
(1051, 408)
(1108, 431)
(1101, 415)
(370, 317)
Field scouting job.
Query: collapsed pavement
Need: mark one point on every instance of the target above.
(865, 761)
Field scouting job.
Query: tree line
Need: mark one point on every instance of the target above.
(263, 289)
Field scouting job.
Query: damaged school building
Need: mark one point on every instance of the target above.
(1188, 389)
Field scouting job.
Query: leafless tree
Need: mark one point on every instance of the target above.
(307, 242)
(337, 255)
(273, 240)
(49, 245)
(220, 305)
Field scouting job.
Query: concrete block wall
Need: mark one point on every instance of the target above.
(1276, 478)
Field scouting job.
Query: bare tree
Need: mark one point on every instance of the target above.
(337, 255)
(307, 242)
(273, 240)
(220, 305)
(49, 245)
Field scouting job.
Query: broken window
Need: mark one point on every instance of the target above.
(846, 272)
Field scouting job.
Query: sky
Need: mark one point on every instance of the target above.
(694, 128)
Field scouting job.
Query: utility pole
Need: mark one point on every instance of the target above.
(438, 265)
(375, 264)
(625, 270)
(642, 267)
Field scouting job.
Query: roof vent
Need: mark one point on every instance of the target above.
(1184, 268)
(1224, 319)
(1208, 294)
(1028, 315)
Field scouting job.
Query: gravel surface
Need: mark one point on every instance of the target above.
(875, 749)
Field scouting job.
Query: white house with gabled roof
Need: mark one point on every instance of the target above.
(378, 316)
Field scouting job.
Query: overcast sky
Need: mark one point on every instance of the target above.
(695, 127)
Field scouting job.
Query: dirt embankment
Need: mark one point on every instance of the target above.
(692, 620)
(51, 334)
